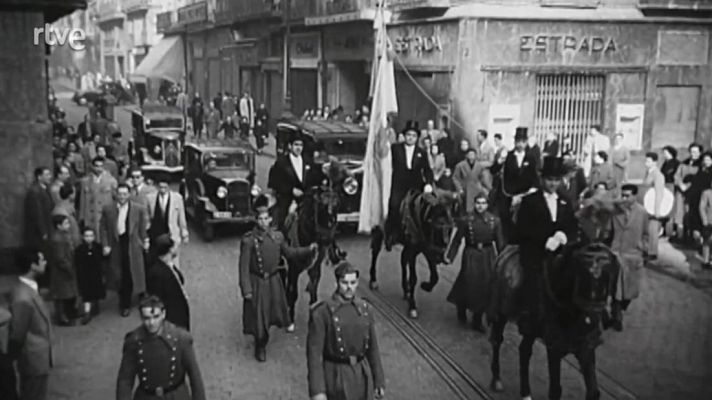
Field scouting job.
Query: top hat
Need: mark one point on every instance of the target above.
(521, 134)
(553, 167)
(412, 124)
(296, 136)
(163, 244)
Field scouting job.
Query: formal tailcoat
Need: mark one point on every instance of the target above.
(483, 238)
(109, 236)
(63, 275)
(405, 179)
(343, 358)
(30, 339)
(159, 364)
(518, 179)
(630, 242)
(261, 253)
(93, 196)
(167, 283)
(38, 221)
(284, 178)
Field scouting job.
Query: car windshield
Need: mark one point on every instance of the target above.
(343, 146)
(165, 123)
(227, 160)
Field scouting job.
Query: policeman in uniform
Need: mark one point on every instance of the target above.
(343, 359)
(158, 355)
(482, 233)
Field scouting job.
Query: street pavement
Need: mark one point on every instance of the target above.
(664, 352)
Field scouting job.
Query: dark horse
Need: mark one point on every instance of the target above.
(575, 287)
(314, 220)
(426, 225)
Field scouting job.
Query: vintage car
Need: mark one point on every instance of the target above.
(157, 142)
(219, 183)
(343, 141)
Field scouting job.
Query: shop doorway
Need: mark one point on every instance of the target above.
(568, 105)
(304, 90)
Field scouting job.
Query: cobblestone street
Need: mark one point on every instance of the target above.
(664, 352)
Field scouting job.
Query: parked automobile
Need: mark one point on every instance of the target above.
(157, 141)
(346, 142)
(219, 183)
(113, 90)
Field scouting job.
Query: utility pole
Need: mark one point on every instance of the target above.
(286, 70)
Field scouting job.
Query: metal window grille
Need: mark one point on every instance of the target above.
(568, 105)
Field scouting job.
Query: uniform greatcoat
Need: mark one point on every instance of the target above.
(109, 236)
(630, 236)
(95, 192)
(260, 255)
(483, 238)
(343, 358)
(471, 180)
(159, 363)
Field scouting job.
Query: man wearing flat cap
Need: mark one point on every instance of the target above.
(545, 224)
(265, 299)
(519, 177)
(343, 359)
(289, 178)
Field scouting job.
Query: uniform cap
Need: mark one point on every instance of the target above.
(345, 268)
(263, 203)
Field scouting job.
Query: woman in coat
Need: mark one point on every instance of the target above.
(682, 180)
(700, 182)
(602, 172)
(63, 279)
(482, 232)
(437, 162)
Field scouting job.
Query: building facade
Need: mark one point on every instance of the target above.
(114, 42)
(141, 29)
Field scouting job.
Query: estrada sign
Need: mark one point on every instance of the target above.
(559, 43)
(74, 37)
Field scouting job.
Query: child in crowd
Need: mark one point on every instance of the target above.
(63, 276)
(90, 274)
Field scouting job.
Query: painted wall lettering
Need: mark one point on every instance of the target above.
(558, 44)
(417, 44)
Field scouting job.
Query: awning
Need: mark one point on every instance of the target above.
(164, 61)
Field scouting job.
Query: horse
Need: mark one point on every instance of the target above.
(575, 287)
(426, 226)
(315, 221)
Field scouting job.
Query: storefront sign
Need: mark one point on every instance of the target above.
(417, 44)
(305, 46)
(348, 43)
(559, 44)
(193, 13)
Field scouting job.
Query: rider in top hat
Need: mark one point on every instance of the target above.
(519, 176)
(545, 224)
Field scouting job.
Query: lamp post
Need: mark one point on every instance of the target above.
(286, 70)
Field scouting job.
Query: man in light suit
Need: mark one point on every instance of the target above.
(247, 109)
(166, 215)
(30, 341)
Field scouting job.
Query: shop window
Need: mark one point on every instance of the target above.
(675, 116)
(683, 47)
(568, 105)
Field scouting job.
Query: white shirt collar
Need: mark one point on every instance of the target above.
(29, 282)
(120, 206)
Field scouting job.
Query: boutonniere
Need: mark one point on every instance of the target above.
(525, 163)
(562, 201)
(418, 155)
(307, 167)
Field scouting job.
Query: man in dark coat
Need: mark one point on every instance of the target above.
(290, 178)
(159, 356)
(411, 171)
(38, 210)
(166, 281)
(545, 224)
(261, 126)
(265, 299)
(519, 176)
(343, 358)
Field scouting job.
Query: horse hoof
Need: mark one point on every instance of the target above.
(373, 285)
(413, 314)
(496, 385)
(427, 286)
(290, 328)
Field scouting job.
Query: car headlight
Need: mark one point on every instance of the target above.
(157, 149)
(350, 186)
(255, 190)
(222, 192)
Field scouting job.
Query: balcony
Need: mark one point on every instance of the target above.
(402, 5)
(131, 6)
(227, 11)
(139, 40)
(681, 5)
(164, 21)
(193, 14)
(109, 10)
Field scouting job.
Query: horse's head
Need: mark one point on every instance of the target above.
(595, 272)
(438, 221)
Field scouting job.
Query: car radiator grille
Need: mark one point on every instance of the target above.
(238, 197)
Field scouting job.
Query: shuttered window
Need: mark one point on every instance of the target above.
(568, 105)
